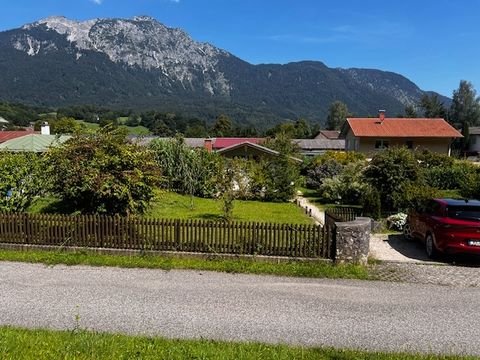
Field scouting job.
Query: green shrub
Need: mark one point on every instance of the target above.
(187, 171)
(21, 180)
(470, 185)
(103, 172)
(371, 203)
(448, 177)
(429, 159)
(389, 170)
(346, 188)
(414, 196)
(317, 174)
(341, 157)
(281, 173)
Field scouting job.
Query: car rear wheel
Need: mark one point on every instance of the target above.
(407, 231)
(430, 247)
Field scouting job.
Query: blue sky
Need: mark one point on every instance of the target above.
(433, 43)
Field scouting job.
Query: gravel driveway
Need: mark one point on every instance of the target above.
(191, 304)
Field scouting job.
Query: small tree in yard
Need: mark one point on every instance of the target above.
(337, 114)
(21, 180)
(281, 172)
(103, 173)
(388, 172)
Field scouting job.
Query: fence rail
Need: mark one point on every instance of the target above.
(344, 213)
(134, 233)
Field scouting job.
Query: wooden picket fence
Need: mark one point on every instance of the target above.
(344, 213)
(98, 231)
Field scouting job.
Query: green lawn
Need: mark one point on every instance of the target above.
(138, 130)
(174, 206)
(169, 205)
(89, 125)
(16, 343)
(132, 130)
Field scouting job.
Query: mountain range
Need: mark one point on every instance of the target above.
(140, 63)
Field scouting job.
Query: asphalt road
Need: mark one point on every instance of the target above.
(192, 304)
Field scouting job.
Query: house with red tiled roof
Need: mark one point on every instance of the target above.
(369, 135)
(307, 147)
(9, 135)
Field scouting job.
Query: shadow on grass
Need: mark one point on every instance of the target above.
(211, 217)
(52, 206)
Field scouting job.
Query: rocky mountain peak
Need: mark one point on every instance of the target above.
(141, 41)
(144, 18)
(141, 62)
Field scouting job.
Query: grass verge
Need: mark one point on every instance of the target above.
(17, 343)
(246, 266)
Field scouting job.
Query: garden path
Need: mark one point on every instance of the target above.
(317, 214)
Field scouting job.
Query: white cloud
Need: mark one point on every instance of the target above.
(98, 2)
(175, 1)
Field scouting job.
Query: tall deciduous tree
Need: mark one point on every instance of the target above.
(410, 111)
(465, 109)
(432, 107)
(300, 129)
(337, 114)
(222, 126)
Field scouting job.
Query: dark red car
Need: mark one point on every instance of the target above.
(446, 226)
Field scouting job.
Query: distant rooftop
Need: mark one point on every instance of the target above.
(33, 143)
(402, 127)
(8, 135)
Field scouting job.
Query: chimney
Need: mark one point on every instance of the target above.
(208, 145)
(45, 129)
(381, 115)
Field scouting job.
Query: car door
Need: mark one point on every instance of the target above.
(430, 218)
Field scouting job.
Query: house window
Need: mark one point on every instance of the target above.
(381, 144)
(409, 144)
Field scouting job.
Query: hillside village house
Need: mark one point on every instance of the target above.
(474, 140)
(7, 135)
(328, 134)
(252, 147)
(369, 135)
(29, 140)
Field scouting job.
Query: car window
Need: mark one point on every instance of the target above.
(431, 207)
(464, 212)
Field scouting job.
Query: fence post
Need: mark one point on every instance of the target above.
(177, 234)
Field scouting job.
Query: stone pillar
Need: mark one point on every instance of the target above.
(353, 241)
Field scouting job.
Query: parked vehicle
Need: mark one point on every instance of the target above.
(446, 226)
